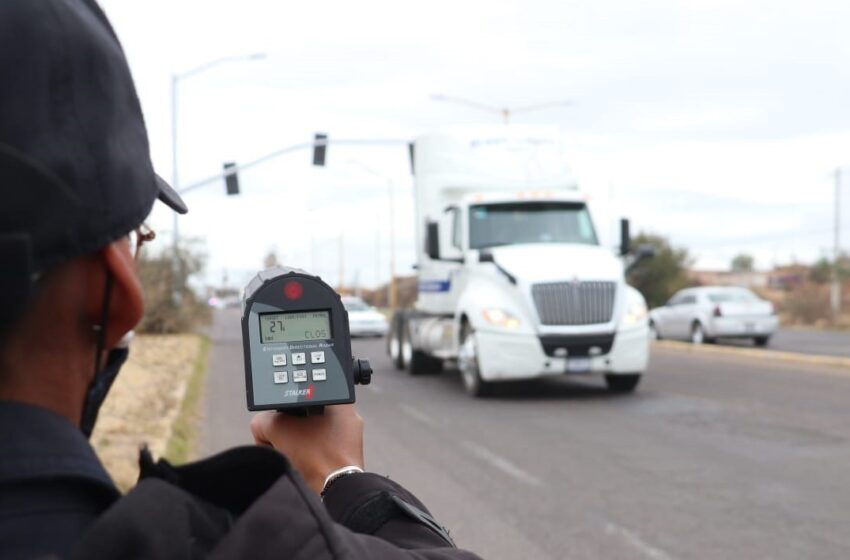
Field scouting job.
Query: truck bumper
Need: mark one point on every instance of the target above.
(510, 356)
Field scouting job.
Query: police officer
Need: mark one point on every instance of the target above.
(76, 184)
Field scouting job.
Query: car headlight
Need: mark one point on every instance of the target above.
(635, 314)
(500, 318)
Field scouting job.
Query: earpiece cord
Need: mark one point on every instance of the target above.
(104, 318)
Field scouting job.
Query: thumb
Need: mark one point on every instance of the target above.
(260, 428)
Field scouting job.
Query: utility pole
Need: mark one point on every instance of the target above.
(835, 293)
(393, 296)
(175, 176)
(377, 257)
(341, 265)
(313, 254)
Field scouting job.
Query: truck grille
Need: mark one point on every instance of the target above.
(574, 303)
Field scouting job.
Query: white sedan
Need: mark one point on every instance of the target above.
(363, 319)
(709, 312)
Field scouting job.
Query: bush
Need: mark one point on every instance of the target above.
(807, 304)
(171, 306)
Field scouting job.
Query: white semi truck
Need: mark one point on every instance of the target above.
(513, 282)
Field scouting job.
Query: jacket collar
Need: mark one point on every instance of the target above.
(38, 444)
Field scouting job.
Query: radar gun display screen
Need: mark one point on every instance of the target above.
(294, 327)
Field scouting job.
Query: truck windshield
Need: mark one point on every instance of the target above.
(491, 225)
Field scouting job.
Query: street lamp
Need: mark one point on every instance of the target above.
(392, 296)
(175, 80)
(505, 112)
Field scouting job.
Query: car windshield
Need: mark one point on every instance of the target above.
(532, 222)
(732, 296)
(355, 305)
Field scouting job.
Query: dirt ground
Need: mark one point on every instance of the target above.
(144, 402)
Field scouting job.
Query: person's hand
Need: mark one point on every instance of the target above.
(316, 445)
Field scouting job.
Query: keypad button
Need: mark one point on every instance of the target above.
(279, 359)
(320, 374)
(299, 358)
(299, 376)
(317, 357)
(281, 377)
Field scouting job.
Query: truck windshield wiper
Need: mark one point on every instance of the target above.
(487, 256)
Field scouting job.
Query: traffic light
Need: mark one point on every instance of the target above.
(231, 180)
(320, 147)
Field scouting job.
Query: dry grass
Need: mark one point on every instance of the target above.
(145, 402)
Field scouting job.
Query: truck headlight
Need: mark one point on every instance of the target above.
(635, 314)
(500, 318)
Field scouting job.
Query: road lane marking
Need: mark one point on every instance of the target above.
(634, 540)
(502, 464)
(418, 415)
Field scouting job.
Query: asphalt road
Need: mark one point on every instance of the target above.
(713, 457)
(804, 341)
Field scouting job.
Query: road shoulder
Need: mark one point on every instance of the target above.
(840, 364)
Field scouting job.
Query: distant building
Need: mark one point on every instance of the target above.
(788, 277)
(753, 279)
(780, 278)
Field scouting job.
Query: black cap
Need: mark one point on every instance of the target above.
(75, 168)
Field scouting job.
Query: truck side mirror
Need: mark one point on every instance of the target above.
(643, 252)
(432, 240)
(625, 237)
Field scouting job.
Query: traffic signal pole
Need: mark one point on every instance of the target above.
(235, 169)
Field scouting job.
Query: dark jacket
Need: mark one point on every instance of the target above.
(248, 502)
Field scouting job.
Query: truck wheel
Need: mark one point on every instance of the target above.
(622, 383)
(394, 340)
(416, 361)
(470, 373)
(761, 341)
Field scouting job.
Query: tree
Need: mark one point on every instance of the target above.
(168, 310)
(661, 276)
(743, 263)
(821, 272)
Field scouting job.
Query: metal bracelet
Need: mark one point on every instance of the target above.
(337, 474)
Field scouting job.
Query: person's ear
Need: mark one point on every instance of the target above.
(127, 303)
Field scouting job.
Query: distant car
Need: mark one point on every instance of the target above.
(363, 319)
(710, 312)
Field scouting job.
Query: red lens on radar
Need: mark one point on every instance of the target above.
(293, 289)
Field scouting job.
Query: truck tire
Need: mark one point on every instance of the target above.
(416, 361)
(761, 341)
(394, 340)
(470, 374)
(622, 383)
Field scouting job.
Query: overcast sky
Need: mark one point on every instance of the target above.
(716, 123)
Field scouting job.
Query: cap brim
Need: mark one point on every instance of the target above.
(170, 197)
